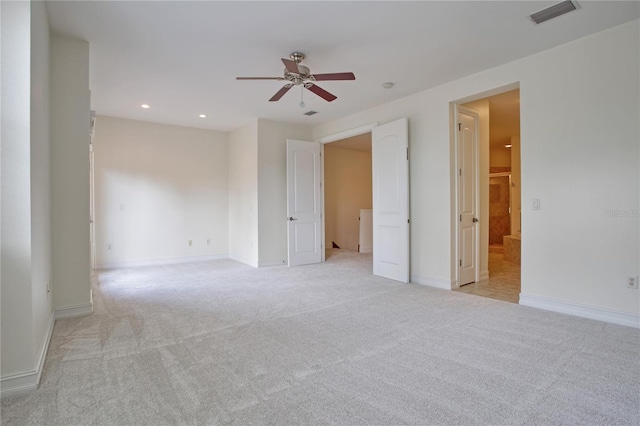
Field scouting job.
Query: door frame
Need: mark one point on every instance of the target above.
(453, 105)
(365, 128)
(457, 108)
(92, 195)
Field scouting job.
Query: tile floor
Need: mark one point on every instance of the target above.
(503, 282)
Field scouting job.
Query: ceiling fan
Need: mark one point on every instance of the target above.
(296, 74)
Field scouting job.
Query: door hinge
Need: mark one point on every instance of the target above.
(460, 172)
(460, 218)
(407, 154)
(408, 220)
(459, 126)
(460, 262)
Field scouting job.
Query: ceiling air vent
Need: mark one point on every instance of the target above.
(310, 113)
(554, 11)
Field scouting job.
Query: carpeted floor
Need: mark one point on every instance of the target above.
(223, 343)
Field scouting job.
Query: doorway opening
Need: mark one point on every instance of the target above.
(498, 197)
(348, 220)
(390, 195)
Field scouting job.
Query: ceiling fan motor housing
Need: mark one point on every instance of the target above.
(303, 75)
(297, 56)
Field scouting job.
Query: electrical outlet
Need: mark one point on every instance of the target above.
(632, 282)
(190, 242)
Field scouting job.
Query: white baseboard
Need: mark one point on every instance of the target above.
(157, 262)
(366, 249)
(484, 275)
(277, 262)
(22, 383)
(579, 310)
(18, 384)
(74, 311)
(249, 262)
(432, 282)
(42, 354)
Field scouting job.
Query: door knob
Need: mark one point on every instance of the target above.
(291, 219)
(475, 219)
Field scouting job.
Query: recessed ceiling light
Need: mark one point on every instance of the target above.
(145, 106)
(508, 145)
(203, 116)
(387, 85)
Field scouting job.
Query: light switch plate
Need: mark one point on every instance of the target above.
(535, 204)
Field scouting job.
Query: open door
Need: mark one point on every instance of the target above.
(304, 229)
(467, 139)
(389, 149)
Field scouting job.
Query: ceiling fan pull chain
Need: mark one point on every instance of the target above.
(301, 97)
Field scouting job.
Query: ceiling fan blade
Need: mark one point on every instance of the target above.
(259, 78)
(321, 92)
(335, 76)
(280, 93)
(291, 66)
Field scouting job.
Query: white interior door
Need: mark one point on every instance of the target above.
(467, 189)
(304, 217)
(389, 146)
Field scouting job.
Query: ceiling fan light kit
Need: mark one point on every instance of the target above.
(300, 75)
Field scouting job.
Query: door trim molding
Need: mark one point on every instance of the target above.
(366, 128)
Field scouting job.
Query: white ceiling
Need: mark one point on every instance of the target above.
(182, 57)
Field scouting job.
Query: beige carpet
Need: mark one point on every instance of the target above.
(223, 343)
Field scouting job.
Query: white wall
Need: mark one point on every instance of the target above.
(70, 174)
(157, 187)
(580, 156)
(27, 308)
(500, 157)
(17, 332)
(347, 189)
(272, 188)
(243, 194)
(41, 232)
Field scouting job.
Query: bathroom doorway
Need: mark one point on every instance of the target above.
(499, 193)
